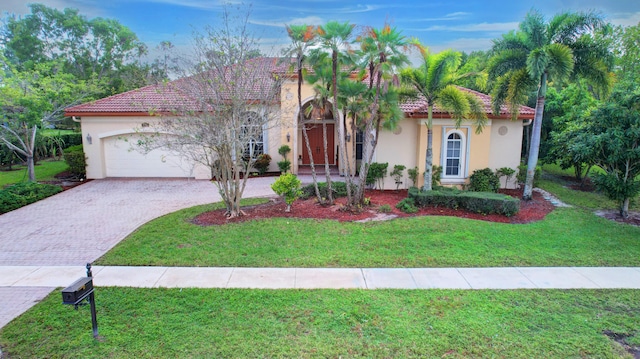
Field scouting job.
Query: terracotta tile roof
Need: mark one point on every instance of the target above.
(184, 93)
(418, 108)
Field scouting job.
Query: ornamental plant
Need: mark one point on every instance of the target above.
(287, 186)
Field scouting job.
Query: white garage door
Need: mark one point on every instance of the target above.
(123, 161)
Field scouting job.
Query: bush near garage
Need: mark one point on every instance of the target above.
(74, 157)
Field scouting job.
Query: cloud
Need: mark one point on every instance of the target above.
(486, 27)
(309, 20)
(447, 17)
(626, 19)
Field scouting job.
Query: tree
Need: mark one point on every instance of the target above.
(32, 99)
(570, 108)
(222, 109)
(382, 55)
(88, 48)
(611, 138)
(434, 80)
(540, 52)
(302, 37)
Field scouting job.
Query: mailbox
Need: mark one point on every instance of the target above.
(78, 291)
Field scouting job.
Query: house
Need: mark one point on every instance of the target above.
(110, 126)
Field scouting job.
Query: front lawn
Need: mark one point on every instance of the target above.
(566, 237)
(237, 323)
(45, 170)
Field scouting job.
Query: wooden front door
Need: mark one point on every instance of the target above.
(314, 131)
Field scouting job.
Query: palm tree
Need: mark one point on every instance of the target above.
(333, 36)
(434, 80)
(540, 52)
(302, 37)
(382, 53)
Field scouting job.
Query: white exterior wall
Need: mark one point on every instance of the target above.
(398, 148)
(505, 147)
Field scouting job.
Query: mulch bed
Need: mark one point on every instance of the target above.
(530, 211)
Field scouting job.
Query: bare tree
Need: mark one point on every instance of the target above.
(221, 111)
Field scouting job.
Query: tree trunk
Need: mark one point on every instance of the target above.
(31, 171)
(428, 166)
(327, 169)
(304, 132)
(534, 148)
(624, 209)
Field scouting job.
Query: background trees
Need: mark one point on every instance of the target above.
(540, 52)
(611, 138)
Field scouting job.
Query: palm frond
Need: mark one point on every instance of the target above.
(505, 61)
(520, 84)
(476, 112)
(454, 101)
(441, 65)
(537, 62)
(560, 59)
(535, 29)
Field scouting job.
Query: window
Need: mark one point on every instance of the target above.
(453, 155)
(252, 134)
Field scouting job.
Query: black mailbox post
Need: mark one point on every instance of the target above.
(80, 290)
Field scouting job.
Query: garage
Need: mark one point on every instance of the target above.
(121, 159)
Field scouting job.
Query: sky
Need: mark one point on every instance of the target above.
(463, 25)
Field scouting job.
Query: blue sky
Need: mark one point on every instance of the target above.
(463, 25)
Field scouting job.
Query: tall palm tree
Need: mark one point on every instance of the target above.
(382, 54)
(302, 37)
(434, 80)
(540, 52)
(332, 37)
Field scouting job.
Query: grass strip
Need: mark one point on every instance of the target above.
(196, 323)
(566, 237)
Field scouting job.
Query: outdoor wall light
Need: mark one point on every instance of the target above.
(288, 137)
(89, 139)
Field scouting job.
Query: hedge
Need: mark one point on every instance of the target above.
(22, 194)
(339, 189)
(479, 202)
(74, 157)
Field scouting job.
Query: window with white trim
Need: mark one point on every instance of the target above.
(253, 134)
(454, 155)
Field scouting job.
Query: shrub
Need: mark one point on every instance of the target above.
(385, 208)
(507, 173)
(22, 194)
(261, 163)
(413, 175)
(284, 166)
(284, 151)
(339, 189)
(377, 172)
(436, 175)
(407, 205)
(522, 174)
(75, 158)
(397, 175)
(288, 186)
(484, 180)
(479, 202)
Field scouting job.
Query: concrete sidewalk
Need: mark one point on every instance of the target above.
(23, 286)
(328, 278)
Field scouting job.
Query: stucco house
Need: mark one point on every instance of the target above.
(107, 124)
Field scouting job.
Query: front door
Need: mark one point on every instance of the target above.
(314, 131)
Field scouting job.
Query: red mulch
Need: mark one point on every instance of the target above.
(530, 211)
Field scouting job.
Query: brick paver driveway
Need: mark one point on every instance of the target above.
(80, 225)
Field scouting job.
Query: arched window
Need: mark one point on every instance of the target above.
(253, 135)
(454, 155)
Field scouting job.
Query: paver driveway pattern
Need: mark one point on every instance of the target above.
(79, 225)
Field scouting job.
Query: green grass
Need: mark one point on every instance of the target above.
(552, 182)
(45, 170)
(55, 132)
(566, 237)
(237, 323)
